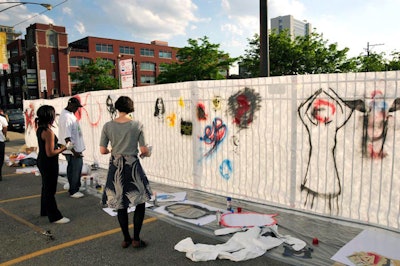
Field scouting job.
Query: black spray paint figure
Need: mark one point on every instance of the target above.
(375, 125)
(110, 107)
(243, 105)
(159, 109)
(323, 114)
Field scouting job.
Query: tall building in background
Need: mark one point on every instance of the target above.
(294, 26)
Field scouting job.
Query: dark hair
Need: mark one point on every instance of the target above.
(124, 104)
(158, 111)
(46, 115)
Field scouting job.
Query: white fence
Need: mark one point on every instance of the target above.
(321, 144)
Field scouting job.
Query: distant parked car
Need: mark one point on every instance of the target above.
(16, 121)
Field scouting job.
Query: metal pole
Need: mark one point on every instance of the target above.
(264, 39)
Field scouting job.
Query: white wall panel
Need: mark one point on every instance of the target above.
(319, 131)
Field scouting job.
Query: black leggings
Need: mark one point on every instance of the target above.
(138, 218)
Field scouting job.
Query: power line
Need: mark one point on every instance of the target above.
(371, 45)
(39, 14)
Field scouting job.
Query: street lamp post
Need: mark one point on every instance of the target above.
(47, 6)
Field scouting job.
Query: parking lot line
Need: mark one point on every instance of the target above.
(28, 197)
(68, 244)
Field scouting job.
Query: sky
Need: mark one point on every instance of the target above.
(230, 23)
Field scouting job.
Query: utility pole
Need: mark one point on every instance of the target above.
(264, 39)
(371, 45)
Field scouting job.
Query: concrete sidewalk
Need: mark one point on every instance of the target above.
(93, 237)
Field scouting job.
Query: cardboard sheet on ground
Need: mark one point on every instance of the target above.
(62, 171)
(28, 170)
(370, 247)
(169, 197)
(190, 211)
(113, 212)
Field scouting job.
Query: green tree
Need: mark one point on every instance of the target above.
(394, 64)
(372, 62)
(303, 55)
(201, 60)
(94, 76)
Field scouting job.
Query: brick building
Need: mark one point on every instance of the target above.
(39, 64)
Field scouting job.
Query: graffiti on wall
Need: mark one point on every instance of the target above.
(201, 112)
(30, 119)
(216, 103)
(112, 111)
(214, 135)
(159, 109)
(243, 105)
(81, 110)
(226, 169)
(186, 128)
(323, 114)
(171, 119)
(375, 125)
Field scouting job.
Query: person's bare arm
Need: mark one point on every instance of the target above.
(48, 137)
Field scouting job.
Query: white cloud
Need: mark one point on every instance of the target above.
(231, 28)
(80, 27)
(67, 10)
(278, 8)
(162, 19)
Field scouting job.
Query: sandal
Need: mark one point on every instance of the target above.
(138, 244)
(125, 244)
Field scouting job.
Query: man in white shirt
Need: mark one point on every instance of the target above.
(3, 137)
(70, 131)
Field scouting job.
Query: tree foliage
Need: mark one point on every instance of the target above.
(310, 54)
(201, 60)
(93, 76)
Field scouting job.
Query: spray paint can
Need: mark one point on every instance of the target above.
(229, 203)
(218, 215)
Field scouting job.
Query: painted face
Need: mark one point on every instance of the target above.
(216, 103)
(323, 111)
(159, 104)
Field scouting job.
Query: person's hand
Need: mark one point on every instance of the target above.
(148, 153)
(69, 145)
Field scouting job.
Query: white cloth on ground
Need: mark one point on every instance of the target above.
(241, 246)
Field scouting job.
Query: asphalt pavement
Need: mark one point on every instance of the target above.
(93, 237)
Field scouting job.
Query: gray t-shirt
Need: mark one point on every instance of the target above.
(123, 137)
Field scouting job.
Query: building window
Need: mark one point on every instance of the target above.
(126, 50)
(14, 52)
(78, 61)
(104, 48)
(147, 66)
(147, 52)
(52, 38)
(52, 58)
(165, 54)
(144, 79)
(53, 76)
(15, 67)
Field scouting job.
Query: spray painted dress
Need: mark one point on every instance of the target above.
(127, 184)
